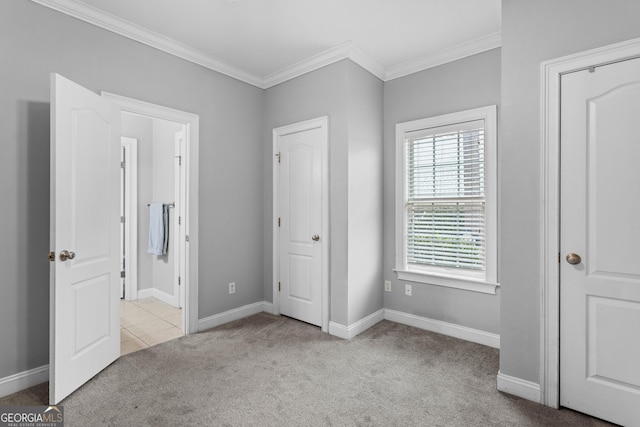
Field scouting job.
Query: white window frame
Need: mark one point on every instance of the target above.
(440, 276)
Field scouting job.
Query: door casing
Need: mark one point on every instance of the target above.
(180, 189)
(189, 209)
(551, 71)
(322, 123)
(131, 212)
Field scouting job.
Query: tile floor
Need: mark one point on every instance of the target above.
(147, 322)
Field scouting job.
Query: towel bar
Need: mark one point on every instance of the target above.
(172, 204)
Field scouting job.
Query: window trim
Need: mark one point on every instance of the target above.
(441, 276)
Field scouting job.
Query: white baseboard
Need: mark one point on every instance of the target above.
(165, 297)
(145, 293)
(268, 307)
(235, 314)
(23, 380)
(338, 330)
(445, 328)
(348, 332)
(157, 293)
(519, 387)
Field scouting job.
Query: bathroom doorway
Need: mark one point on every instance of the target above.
(152, 173)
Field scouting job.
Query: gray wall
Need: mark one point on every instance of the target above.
(36, 41)
(461, 85)
(365, 93)
(533, 32)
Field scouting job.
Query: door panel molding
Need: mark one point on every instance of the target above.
(321, 123)
(551, 72)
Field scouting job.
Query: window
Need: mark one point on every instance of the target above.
(446, 210)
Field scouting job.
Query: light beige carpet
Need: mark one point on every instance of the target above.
(274, 371)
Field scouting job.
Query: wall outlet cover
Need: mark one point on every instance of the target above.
(232, 288)
(387, 285)
(408, 289)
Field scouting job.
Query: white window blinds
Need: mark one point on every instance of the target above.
(445, 196)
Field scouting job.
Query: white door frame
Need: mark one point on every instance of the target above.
(323, 124)
(190, 163)
(551, 73)
(180, 190)
(131, 215)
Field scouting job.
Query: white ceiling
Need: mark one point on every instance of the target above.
(265, 42)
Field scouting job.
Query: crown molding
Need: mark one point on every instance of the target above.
(135, 32)
(367, 62)
(462, 50)
(346, 50)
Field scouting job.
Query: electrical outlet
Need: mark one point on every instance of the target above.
(407, 290)
(232, 288)
(387, 285)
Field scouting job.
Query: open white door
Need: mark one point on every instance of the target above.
(85, 224)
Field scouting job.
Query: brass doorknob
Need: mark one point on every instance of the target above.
(573, 259)
(315, 238)
(65, 255)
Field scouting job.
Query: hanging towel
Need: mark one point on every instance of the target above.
(156, 229)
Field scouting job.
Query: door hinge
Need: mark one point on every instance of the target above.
(123, 274)
(51, 256)
(279, 286)
(179, 220)
(186, 238)
(179, 160)
(178, 280)
(123, 165)
(278, 222)
(123, 219)
(558, 257)
(278, 156)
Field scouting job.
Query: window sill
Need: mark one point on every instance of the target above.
(457, 282)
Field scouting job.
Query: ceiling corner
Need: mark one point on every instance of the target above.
(345, 50)
(329, 56)
(367, 62)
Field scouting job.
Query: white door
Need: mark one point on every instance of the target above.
(600, 223)
(124, 237)
(85, 224)
(300, 210)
